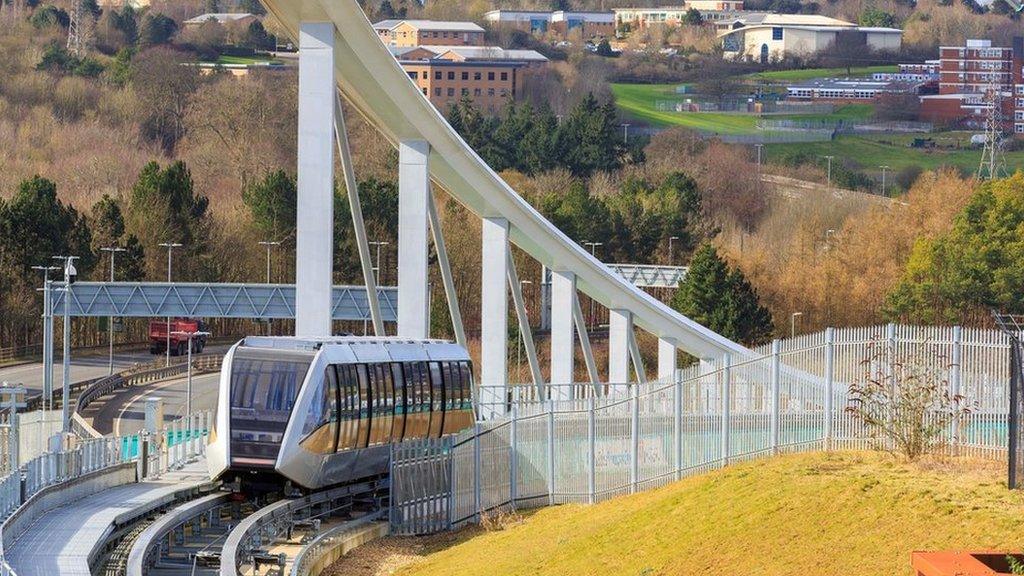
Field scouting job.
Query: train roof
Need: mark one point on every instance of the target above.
(394, 347)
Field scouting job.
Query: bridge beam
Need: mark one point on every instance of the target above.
(314, 244)
(413, 196)
(494, 316)
(563, 304)
(620, 324)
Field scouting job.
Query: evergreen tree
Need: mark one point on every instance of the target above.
(722, 299)
(213, 6)
(539, 146)
(693, 17)
(589, 139)
(108, 230)
(272, 203)
(604, 49)
(156, 29)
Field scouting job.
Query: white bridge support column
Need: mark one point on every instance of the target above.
(620, 324)
(314, 245)
(667, 359)
(493, 317)
(563, 304)
(413, 196)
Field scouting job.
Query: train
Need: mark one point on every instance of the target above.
(320, 412)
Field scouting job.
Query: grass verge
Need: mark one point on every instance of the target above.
(822, 514)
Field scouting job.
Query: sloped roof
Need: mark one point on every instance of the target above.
(220, 17)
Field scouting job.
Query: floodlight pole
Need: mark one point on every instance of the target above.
(188, 368)
(170, 250)
(69, 274)
(110, 320)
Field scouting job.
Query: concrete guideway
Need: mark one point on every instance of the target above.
(123, 411)
(67, 538)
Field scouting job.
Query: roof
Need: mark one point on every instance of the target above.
(429, 25)
(810, 29)
(514, 14)
(851, 84)
(591, 16)
(220, 17)
(475, 53)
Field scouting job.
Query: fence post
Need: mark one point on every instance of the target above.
(476, 472)
(776, 393)
(726, 384)
(551, 452)
(677, 421)
(592, 452)
(955, 384)
(634, 434)
(890, 371)
(513, 460)
(830, 361)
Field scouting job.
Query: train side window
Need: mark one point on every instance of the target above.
(348, 382)
(384, 414)
(401, 391)
(436, 400)
(467, 385)
(417, 410)
(319, 427)
(365, 405)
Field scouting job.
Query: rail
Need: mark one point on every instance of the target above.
(324, 544)
(146, 549)
(269, 522)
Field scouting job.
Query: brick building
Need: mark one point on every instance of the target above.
(409, 33)
(488, 75)
(967, 74)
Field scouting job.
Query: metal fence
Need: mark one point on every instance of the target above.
(609, 440)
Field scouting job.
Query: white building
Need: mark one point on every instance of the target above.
(768, 37)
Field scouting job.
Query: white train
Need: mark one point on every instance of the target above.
(324, 411)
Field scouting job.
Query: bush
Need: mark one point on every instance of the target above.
(48, 16)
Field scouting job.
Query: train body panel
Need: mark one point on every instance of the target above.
(324, 411)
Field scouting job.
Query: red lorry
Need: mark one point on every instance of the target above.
(178, 342)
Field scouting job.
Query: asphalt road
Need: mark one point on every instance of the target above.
(124, 412)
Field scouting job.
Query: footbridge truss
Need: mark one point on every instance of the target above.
(338, 50)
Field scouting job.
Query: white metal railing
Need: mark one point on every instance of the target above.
(616, 439)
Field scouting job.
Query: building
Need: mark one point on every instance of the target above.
(628, 19)
(561, 23)
(844, 90)
(224, 19)
(967, 74)
(409, 33)
(772, 37)
(926, 72)
(488, 75)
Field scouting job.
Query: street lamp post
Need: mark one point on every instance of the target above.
(47, 335)
(671, 253)
(593, 252)
(70, 275)
(110, 321)
(170, 250)
(884, 168)
(188, 367)
(792, 323)
(269, 244)
(829, 158)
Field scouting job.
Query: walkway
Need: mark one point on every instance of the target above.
(61, 540)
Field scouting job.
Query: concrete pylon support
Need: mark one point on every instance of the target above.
(563, 302)
(667, 359)
(493, 317)
(413, 196)
(620, 324)
(314, 244)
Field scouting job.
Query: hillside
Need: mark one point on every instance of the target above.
(845, 513)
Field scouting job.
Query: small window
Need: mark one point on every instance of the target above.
(414, 75)
(490, 91)
(490, 76)
(777, 33)
(451, 75)
(465, 91)
(504, 76)
(477, 92)
(437, 75)
(477, 76)
(465, 75)
(424, 91)
(437, 91)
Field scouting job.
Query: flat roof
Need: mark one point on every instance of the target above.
(430, 25)
(219, 17)
(473, 53)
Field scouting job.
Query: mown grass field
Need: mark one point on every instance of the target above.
(226, 59)
(839, 514)
(894, 150)
(639, 101)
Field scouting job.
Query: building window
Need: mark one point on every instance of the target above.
(437, 75)
(465, 91)
(490, 91)
(424, 91)
(504, 76)
(451, 92)
(414, 75)
(451, 75)
(477, 76)
(490, 76)
(465, 75)
(477, 92)
(777, 33)
(437, 91)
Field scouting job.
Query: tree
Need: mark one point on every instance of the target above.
(721, 299)
(58, 60)
(718, 79)
(48, 16)
(205, 39)
(252, 7)
(693, 17)
(164, 88)
(847, 50)
(604, 49)
(878, 18)
(108, 230)
(897, 106)
(272, 204)
(590, 139)
(156, 29)
(257, 38)
(212, 6)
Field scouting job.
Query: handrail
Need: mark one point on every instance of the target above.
(315, 550)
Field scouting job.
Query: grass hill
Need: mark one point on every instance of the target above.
(843, 513)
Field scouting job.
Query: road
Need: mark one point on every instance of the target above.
(124, 411)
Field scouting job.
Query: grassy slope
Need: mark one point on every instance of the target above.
(848, 513)
(893, 150)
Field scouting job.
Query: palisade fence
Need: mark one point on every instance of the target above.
(611, 439)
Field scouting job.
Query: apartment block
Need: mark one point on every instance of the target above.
(561, 23)
(488, 75)
(410, 33)
(710, 10)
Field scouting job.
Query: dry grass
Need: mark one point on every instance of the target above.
(822, 514)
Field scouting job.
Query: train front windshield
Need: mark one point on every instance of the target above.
(264, 386)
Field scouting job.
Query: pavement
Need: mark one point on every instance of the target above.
(61, 540)
(123, 411)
